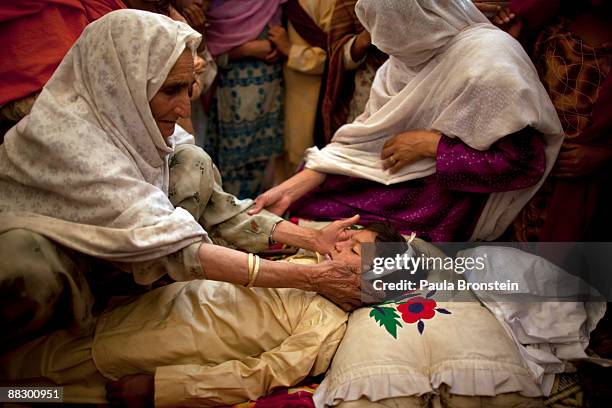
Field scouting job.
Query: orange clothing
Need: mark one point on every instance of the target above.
(36, 34)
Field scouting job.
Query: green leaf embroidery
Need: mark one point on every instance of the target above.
(388, 318)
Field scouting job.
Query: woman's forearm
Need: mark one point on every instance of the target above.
(237, 53)
(336, 281)
(302, 183)
(228, 265)
(294, 235)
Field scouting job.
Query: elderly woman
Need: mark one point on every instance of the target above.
(457, 135)
(98, 173)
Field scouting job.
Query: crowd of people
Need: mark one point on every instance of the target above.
(147, 142)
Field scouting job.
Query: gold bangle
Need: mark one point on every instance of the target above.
(255, 272)
(250, 270)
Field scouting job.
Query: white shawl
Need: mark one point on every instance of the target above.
(450, 70)
(88, 167)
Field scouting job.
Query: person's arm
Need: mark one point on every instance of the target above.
(300, 57)
(321, 240)
(279, 198)
(259, 49)
(501, 16)
(359, 47)
(514, 162)
(333, 280)
(226, 218)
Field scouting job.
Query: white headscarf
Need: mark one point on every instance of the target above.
(88, 167)
(449, 70)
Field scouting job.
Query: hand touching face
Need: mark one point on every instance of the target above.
(349, 251)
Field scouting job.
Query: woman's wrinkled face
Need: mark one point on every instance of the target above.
(172, 100)
(349, 251)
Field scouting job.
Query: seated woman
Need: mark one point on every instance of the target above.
(97, 172)
(457, 135)
(199, 342)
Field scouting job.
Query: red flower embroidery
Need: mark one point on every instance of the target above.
(416, 309)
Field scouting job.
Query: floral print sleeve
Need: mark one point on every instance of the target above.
(195, 184)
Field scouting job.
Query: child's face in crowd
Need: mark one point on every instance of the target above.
(349, 251)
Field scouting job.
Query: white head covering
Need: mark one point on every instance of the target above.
(88, 166)
(449, 70)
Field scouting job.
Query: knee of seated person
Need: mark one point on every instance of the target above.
(30, 288)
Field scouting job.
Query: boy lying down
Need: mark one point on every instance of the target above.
(196, 343)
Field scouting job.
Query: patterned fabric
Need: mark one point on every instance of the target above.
(246, 124)
(443, 206)
(364, 76)
(573, 74)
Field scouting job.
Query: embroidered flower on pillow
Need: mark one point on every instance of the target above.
(414, 309)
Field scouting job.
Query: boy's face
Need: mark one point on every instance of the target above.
(349, 251)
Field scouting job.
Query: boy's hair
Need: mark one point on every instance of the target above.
(385, 232)
(396, 245)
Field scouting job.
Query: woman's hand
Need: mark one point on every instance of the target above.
(409, 147)
(259, 49)
(578, 160)
(326, 238)
(502, 17)
(273, 56)
(276, 200)
(136, 390)
(279, 37)
(279, 198)
(194, 14)
(199, 66)
(342, 285)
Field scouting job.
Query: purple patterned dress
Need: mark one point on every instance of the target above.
(443, 207)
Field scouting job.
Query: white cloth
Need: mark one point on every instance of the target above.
(88, 167)
(448, 70)
(548, 334)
